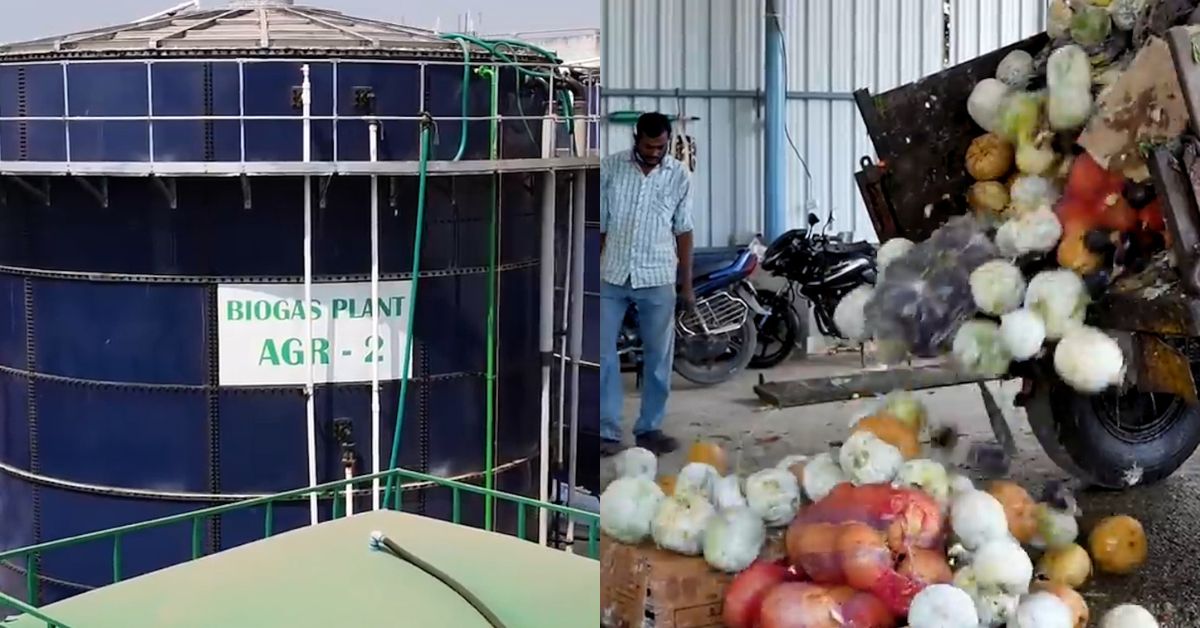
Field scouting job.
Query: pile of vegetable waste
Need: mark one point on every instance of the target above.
(1052, 224)
(877, 534)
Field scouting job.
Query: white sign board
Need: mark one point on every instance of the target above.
(263, 330)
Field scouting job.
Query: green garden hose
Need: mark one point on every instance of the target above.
(422, 182)
(489, 454)
(380, 542)
(466, 92)
(493, 47)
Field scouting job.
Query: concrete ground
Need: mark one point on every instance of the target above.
(1168, 584)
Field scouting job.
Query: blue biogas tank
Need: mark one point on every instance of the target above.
(154, 345)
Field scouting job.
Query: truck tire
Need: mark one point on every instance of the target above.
(1156, 434)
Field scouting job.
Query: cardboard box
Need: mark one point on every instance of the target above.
(645, 587)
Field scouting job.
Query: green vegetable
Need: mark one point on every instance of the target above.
(1090, 26)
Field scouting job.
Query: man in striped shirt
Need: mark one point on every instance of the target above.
(645, 251)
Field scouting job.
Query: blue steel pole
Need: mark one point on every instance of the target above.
(775, 99)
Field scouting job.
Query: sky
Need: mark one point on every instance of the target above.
(30, 19)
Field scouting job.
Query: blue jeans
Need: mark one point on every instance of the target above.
(656, 319)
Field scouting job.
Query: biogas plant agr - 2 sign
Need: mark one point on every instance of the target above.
(263, 335)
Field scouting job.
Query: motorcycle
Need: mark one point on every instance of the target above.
(717, 338)
(818, 267)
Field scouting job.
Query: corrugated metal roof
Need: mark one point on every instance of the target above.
(711, 51)
(256, 25)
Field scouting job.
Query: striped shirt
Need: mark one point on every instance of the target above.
(640, 215)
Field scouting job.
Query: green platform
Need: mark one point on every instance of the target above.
(326, 576)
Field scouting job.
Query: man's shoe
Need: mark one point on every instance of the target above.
(609, 448)
(657, 442)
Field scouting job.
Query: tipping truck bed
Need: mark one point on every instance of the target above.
(921, 132)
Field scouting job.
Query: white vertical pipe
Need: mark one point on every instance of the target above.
(375, 434)
(349, 492)
(546, 343)
(578, 231)
(309, 393)
(562, 345)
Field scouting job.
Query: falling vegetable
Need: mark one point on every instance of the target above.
(996, 608)
(1032, 192)
(1019, 509)
(680, 522)
(799, 605)
(627, 508)
(1074, 254)
(849, 315)
(1128, 616)
(1022, 332)
(697, 477)
(908, 517)
(988, 199)
(892, 431)
(636, 462)
(711, 454)
(1069, 78)
(1016, 69)
(727, 493)
(928, 476)
(868, 459)
(925, 566)
(821, 474)
(942, 606)
(773, 495)
(903, 405)
(1068, 564)
(1056, 527)
(794, 464)
(976, 518)
(986, 103)
(989, 157)
(1035, 155)
(997, 287)
(1089, 360)
(1058, 19)
(1001, 565)
(1126, 13)
(1090, 25)
(1059, 298)
(978, 349)
(892, 250)
(1118, 544)
(854, 554)
(1070, 597)
(733, 539)
(1020, 116)
(1034, 231)
(1043, 610)
(745, 594)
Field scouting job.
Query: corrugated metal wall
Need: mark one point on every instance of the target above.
(704, 58)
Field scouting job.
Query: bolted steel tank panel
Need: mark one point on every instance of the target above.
(114, 404)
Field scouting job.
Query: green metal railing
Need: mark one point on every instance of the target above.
(29, 556)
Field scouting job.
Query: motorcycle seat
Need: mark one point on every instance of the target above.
(848, 248)
(706, 268)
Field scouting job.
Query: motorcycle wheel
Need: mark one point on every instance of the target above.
(779, 334)
(722, 371)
